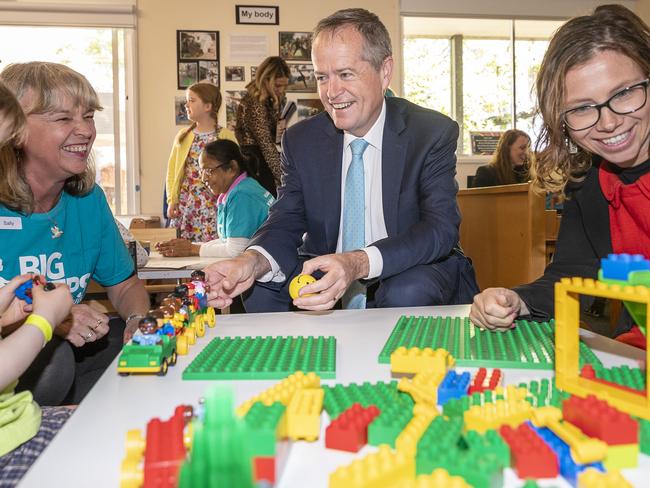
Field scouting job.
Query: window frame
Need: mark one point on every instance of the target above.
(456, 67)
(101, 16)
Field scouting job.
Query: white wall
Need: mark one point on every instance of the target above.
(158, 21)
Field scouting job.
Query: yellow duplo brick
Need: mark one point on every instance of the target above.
(622, 456)
(511, 412)
(131, 470)
(423, 387)
(440, 478)
(407, 440)
(567, 323)
(583, 449)
(283, 391)
(544, 416)
(303, 414)
(415, 360)
(420, 393)
(380, 469)
(592, 478)
(516, 392)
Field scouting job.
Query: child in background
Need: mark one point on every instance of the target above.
(190, 205)
(26, 429)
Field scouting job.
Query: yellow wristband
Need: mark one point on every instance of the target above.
(42, 324)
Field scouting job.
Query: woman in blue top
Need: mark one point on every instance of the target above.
(242, 204)
(55, 222)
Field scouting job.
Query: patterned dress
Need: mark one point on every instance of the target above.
(197, 206)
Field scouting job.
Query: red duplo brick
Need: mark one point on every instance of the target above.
(531, 456)
(264, 468)
(349, 431)
(596, 418)
(478, 383)
(164, 450)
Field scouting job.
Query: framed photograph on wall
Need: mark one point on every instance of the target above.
(188, 74)
(235, 73)
(231, 99)
(198, 45)
(295, 46)
(197, 57)
(302, 78)
(180, 114)
(253, 71)
(308, 107)
(209, 72)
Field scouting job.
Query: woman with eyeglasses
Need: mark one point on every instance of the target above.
(242, 203)
(592, 91)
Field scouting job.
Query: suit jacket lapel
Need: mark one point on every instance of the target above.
(392, 165)
(331, 155)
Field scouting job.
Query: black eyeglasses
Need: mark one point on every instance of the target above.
(624, 102)
(210, 171)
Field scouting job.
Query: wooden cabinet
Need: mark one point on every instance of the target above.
(503, 231)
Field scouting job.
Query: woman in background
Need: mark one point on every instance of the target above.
(592, 90)
(190, 205)
(509, 164)
(257, 119)
(243, 204)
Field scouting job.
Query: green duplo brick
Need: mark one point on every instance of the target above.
(644, 436)
(530, 345)
(395, 407)
(381, 394)
(219, 446)
(441, 435)
(623, 375)
(385, 428)
(544, 393)
(261, 427)
(478, 458)
(263, 358)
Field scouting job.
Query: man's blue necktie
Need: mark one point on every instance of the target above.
(354, 219)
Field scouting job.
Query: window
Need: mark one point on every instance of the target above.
(103, 55)
(465, 68)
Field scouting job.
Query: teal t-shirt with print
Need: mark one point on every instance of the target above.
(244, 210)
(90, 245)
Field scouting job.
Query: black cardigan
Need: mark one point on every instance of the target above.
(584, 238)
(487, 176)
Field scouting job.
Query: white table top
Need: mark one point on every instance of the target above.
(89, 449)
(159, 267)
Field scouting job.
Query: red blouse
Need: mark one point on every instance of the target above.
(629, 224)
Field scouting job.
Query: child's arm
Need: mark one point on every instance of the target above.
(12, 310)
(19, 349)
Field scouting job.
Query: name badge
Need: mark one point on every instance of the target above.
(11, 223)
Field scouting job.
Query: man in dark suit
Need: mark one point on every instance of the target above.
(368, 195)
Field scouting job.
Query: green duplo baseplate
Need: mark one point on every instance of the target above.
(263, 358)
(530, 345)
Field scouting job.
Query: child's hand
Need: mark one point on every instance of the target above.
(54, 305)
(11, 308)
